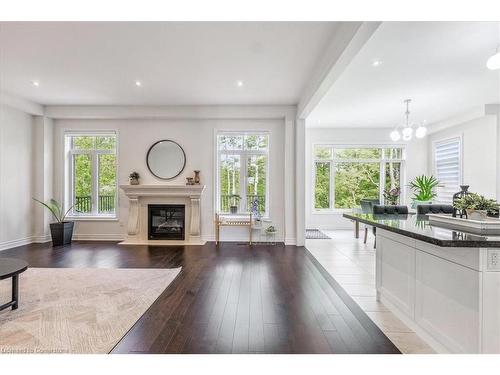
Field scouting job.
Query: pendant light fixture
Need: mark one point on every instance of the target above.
(407, 132)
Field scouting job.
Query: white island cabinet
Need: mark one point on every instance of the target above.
(448, 295)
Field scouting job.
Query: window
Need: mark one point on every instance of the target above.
(242, 167)
(447, 166)
(344, 175)
(91, 174)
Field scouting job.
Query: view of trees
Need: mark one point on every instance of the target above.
(240, 149)
(356, 174)
(106, 167)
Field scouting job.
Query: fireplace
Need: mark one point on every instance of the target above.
(166, 221)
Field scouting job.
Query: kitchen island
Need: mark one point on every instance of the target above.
(443, 283)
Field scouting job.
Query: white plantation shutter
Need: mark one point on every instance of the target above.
(447, 161)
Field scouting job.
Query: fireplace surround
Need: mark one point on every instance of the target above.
(166, 221)
(141, 196)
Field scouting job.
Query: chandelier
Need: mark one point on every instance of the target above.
(407, 131)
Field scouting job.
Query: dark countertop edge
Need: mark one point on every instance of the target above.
(421, 237)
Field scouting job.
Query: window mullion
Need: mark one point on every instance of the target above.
(95, 182)
(243, 178)
(332, 167)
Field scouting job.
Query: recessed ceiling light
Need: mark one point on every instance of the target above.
(239, 83)
(138, 83)
(376, 62)
(35, 83)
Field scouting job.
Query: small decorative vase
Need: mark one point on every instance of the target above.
(477, 214)
(233, 209)
(197, 177)
(134, 181)
(189, 181)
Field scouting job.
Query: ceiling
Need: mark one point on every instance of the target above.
(441, 66)
(178, 63)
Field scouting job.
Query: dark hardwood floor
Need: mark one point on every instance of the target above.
(230, 299)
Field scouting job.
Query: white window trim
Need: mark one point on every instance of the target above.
(243, 170)
(381, 162)
(437, 142)
(68, 177)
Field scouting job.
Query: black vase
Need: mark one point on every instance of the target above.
(61, 233)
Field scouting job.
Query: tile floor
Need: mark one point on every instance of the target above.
(352, 264)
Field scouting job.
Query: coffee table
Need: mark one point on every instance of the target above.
(10, 267)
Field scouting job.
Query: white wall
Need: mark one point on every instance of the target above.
(197, 138)
(16, 177)
(479, 152)
(416, 164)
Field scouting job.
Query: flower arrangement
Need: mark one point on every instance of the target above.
(391, 196)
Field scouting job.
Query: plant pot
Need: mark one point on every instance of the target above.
(477, 214)
(134, 181)
(415, 203)
(233, 209)
(61, 233)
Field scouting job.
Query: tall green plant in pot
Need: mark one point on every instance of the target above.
(62, 230)
(423, 189)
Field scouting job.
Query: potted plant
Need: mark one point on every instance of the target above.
(61, 231)
(391, 196)
(476, 206)
(235, 199)
(134, 178)
(423, 189)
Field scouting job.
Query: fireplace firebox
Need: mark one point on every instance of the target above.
(166, 221)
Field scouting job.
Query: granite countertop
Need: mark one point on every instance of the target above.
(418, 227)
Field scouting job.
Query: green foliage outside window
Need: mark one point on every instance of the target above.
(82, 169)
(356, 174)
(230, 167)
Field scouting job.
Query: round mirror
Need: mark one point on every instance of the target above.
(166, 159)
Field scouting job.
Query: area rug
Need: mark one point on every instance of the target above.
(316, 234)
(77, 310)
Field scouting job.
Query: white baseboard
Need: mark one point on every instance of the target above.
(98, 237)
(41, 239)
(291, 241)
(15, 243)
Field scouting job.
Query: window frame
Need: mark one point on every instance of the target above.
(334, 161)
(69, 177)
(244, 155)
(442, 141)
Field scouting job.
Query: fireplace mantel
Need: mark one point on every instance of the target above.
(140, 195)
(163, 190)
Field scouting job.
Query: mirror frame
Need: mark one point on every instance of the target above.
(147, 159)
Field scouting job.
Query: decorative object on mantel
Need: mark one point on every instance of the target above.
(235, 199)
(193, 180)
(134, 178)
(462, 193)
(391, 196)
(407, 131)
(196, 177)
(61, 231)
(476, 206)
(423, 189)
(166, 159)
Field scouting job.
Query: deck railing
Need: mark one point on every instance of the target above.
(226, 202)
(84, 204)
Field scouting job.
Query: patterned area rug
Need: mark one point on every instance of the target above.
(316, 234)
(77, 310)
